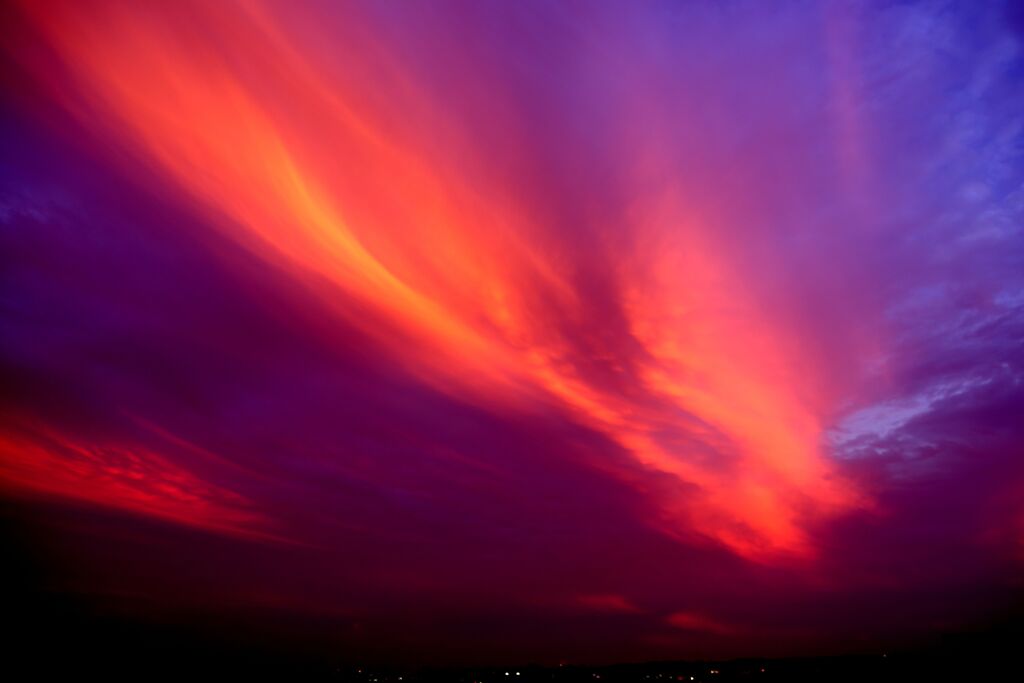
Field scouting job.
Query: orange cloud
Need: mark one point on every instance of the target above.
(461, 286)
(123, 477)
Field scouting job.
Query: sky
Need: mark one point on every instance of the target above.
(535, 331)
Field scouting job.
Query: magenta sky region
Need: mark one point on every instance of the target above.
(483, 330)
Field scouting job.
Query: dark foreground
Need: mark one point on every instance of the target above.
(77, 648)
(51, 635)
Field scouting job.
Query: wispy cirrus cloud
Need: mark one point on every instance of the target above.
(527, 314)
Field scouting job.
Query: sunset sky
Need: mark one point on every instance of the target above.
(547, 331)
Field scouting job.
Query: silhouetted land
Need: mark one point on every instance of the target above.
(50, 635)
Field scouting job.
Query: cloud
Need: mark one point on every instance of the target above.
(608, 602)
(492, 311)
(691, 621)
